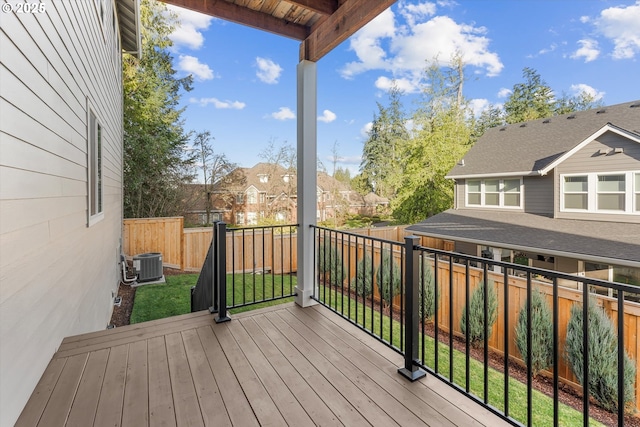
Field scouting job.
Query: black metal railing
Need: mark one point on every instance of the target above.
(246, 266)
(432, 318)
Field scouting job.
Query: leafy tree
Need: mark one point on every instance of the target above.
(442, 139)
(154, 138)
(388, 277)
(603, 357)
(343, 175)
(382, 160)
(541, 333)
(476, 313)
(580, 102)
(362, 283)
(530, 100)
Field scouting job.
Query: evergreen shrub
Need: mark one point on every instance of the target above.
(476, 313)
(541, 332)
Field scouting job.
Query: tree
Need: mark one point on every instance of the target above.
(381, 165)
(214, 165)
(442, 139)
(279, 160)
(489, 118)
(362, 283)
(154, 139)
(580, 102)
(541, 333)
(388, 277)
(530, 100)
(603, 357)
(476, 314)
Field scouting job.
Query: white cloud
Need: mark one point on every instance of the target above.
(192, 65)
(188, 33)
(232, 105)
(504, 92)
(577, 89)
(402, 49)
(268, 71)
(588, 50)
(284, 113)
(411, 12)
(620, 26)
(364, 131)
(406, 85)
(479, 105)
(327, 116)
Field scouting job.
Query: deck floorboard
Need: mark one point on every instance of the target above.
(279, 366)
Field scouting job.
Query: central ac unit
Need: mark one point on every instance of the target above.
(148, 266)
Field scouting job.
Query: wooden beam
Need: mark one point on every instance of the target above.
(328, 33)
(245, 16)
(325, 7)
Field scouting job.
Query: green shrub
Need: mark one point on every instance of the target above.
(541, 333)
(363, 280)
(476, 313)
(330, 262)
(388, 277)
(428, 291)
(603, 357)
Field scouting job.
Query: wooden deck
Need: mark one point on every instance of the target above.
(278, 366)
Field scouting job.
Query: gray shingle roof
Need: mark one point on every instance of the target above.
(608, 242)
(523, 148)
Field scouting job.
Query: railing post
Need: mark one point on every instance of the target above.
(411, 314)
(214, 276)
(221, 271)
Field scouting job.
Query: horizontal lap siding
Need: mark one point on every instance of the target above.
(57, 274)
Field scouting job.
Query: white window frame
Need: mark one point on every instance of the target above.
(635, 196)
(252, 197)
(501, 193)
(95, 178)
(240, 218)
(592, 193)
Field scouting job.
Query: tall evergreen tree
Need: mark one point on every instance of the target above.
(530, 100)
(382, 152)
(154, 138)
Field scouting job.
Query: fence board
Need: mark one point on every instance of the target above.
(143, 235)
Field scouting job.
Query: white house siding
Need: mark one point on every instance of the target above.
(57, 274)
(586, 161)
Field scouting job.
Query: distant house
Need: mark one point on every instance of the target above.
(561, 193)
(60, 180)
(266, 190)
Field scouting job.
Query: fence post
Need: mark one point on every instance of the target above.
(220, 252)
(214, 275)
(412, 277)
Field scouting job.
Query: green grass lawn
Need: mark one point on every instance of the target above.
(174, 297)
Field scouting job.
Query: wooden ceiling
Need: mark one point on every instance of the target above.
(320, 25)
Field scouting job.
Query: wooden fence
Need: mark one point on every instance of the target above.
(186, 248)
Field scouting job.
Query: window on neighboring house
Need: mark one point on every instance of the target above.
(494, 192)
(240, 218)
(262, 197)
(94, 173)
(616, 192)
(474, 192)
(637, 192)
(576, 195)
(263, 178)
(240, 198)
(611, 192)
(252, 197)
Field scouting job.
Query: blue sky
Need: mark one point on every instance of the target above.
(244, 91)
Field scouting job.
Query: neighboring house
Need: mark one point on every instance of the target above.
(266, 190)
(60, 180)
(561, 193)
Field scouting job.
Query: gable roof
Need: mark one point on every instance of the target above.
(534, 147)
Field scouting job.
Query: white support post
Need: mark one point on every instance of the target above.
(497, 256)
(307, 180)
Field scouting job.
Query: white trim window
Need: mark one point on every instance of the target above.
(494, 193)
(94, 170)
(611, 192)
